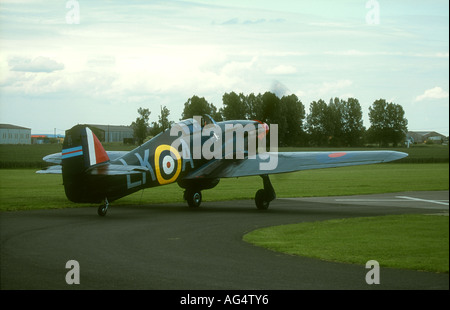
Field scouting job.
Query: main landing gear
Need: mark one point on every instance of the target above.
(103, 208)
(193, 198)
(264, 196)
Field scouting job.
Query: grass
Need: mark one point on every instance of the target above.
(418, 242)
(23, 189)
(359, 180)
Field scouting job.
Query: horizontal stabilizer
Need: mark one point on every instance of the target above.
(106, 169)
(57, 157)
(109, 169)
(57, 169)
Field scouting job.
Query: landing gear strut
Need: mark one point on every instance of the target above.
(102, 209)
(193, 197)
(264, 196)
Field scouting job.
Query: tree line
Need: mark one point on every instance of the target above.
(337, 123)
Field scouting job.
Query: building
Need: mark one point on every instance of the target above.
(427, 136)
(112, 133)
(12, 134)
(45, 139)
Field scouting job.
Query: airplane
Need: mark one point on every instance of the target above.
(196, 153)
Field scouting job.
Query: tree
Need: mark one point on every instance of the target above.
(234, 106)
(270, 108)
(334, 122)
(337, 124)
(352, 123)
(294, 114)
(388, 123)
(253, 104)
(197, 106)
(273, 112)
(140, 126)
(163, 122)
(316, 123)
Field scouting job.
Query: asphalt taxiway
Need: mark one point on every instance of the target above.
(170, 246)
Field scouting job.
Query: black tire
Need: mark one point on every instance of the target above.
(193, 198)
(102, 209)
(260, 200)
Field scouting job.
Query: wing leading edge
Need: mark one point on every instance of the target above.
(290, 162)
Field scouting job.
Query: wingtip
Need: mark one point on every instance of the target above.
(394, 155)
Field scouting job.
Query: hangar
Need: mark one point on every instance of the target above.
(427, 136)
(12, 134)
(113, 133)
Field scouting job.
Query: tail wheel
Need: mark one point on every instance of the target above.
(260, 200)
(102, 209)
(193, 198)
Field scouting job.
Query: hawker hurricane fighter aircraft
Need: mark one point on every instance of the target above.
(196, 153)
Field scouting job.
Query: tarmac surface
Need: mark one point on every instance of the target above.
(173, 247)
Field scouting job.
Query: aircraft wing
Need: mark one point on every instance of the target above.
(290, 162)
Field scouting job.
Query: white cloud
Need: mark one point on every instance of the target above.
(282, 70)
(333, 87)
(38, 64)
(433, 93)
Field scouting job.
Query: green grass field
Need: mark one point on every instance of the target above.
(419, 242)
(23, 189)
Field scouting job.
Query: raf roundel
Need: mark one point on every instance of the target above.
(167, 164)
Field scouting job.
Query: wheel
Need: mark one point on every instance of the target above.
(193, 198)
(260, 200)
(102, 209)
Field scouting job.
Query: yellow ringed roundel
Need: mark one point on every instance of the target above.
(167, 164)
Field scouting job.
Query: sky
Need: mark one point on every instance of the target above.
(71, 62)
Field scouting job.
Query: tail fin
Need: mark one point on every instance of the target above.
(81, 150)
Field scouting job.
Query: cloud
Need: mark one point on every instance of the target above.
(237, 21)
(232, 21)
(325, 90)
(38, 64)
(334, 86)
(433, 93)
(282, 69)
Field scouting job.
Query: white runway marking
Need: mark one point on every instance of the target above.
(365, 200)
(439, 202)
(436, 201)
